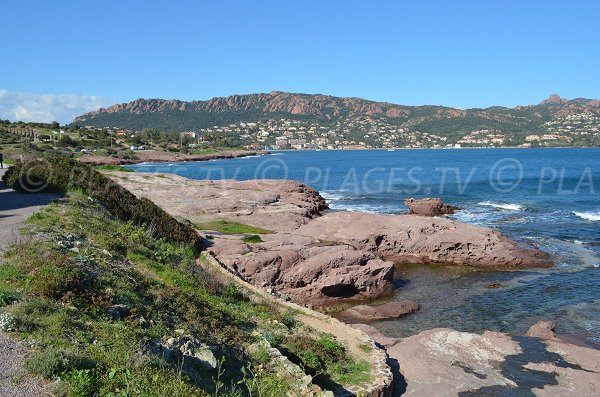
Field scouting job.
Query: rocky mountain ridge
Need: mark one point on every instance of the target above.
(353, 120)
(326, 106)
(313, 104)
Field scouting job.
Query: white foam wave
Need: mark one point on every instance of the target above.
(331, 196)
(592, 216)
(360, 208)
(503, 206)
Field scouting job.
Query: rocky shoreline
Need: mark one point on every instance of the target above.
(317, 256)
(447, 363)
(314, 256)
(156, 156)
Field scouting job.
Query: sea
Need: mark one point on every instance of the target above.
(549, 198)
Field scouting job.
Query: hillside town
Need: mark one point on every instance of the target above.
(372, 132)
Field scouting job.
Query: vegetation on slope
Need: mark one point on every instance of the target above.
(102, 301)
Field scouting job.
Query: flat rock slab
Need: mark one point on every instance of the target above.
(274, 205)
(317, 257)
(444, 362)
(156, 156)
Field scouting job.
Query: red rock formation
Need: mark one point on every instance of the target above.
(542, 330)
(364, 313)
(429, 207)
(417, 239)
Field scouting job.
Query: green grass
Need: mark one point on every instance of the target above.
(227, 227)
(84, 262)
(253, 239)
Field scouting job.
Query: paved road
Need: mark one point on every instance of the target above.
(15, 208)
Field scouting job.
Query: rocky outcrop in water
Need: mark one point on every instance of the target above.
(417, 239)
(364, 313)
(542, 330)
(429, 207)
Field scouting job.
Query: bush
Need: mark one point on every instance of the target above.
(7, 295)
(315, 354)
(50, 363)
(81, 382)
(39, 175)
(253, 239)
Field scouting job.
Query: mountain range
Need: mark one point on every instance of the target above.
(325, 110)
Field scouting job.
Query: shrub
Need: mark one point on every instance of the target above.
(7, 295)
(81, 382)
(39, 175)
(49, 363)
(255, 238)
(112, 167)
(54, 279)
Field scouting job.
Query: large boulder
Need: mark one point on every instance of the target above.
(306, 270)
(429, 207)
(542, 330)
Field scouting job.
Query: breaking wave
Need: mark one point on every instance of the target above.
(503, 206)
(592, 216)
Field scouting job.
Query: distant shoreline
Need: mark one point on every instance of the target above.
(434, 148)
(154, 156)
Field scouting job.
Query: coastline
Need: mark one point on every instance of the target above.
(438, 361)
(435, 148)
(299, 207)
(155, 156)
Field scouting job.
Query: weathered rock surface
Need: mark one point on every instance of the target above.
(189, 349)
(444, 362)
(417, 239)
(306, 270)
(542, 330)
(429, 207)
(392, 309)
(275, 205)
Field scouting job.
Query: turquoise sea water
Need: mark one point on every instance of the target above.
(546, 197)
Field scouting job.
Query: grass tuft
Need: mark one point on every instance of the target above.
(227, 227)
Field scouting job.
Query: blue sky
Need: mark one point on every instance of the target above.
(84, 54)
